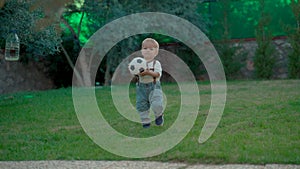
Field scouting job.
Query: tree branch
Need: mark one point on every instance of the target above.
(72, 65)
(69, 27)
(79, 25)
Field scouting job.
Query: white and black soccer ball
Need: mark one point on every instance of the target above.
(137, 65)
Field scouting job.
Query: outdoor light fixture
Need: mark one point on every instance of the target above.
(12, 47)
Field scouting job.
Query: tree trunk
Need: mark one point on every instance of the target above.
(107, 77)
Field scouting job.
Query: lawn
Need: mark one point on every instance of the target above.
(260, 124)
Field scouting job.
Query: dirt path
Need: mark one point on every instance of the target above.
(129, 165)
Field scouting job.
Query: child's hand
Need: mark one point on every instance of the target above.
(145, 72)
(150, 73)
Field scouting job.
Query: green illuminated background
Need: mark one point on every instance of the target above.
(243, 16)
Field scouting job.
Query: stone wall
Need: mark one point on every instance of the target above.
(282, 48)
(248, 48)
(17, 76)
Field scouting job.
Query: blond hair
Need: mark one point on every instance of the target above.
(152, 41)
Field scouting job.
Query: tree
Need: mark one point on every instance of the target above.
(36, 40)
(264, 60)
(38, 23)
(294, 38)
(228, 51)
(103, 11)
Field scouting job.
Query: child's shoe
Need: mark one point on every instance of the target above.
(159, 121)
(146, 125)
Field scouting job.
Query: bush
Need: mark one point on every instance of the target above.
(228, 51)
(264, 60)
(294, 38)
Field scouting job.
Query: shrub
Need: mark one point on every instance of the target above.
(264, 60)
(294, 38)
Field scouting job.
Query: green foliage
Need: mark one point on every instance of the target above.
(264, 60)
(86, 17)
(294, 38)
(231, 57)
(244, 15)
(74, 21)
(228, 51)
(35, 42)
(100, 13)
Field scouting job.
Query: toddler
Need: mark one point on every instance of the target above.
(148, 90)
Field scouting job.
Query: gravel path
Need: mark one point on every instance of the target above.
(128, 165)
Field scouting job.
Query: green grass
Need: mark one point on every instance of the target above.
(260, 124)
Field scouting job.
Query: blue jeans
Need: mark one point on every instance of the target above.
(149, 95)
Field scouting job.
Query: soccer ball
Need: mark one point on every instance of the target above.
(137, 65)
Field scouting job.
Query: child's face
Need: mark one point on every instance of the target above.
(149, 51)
